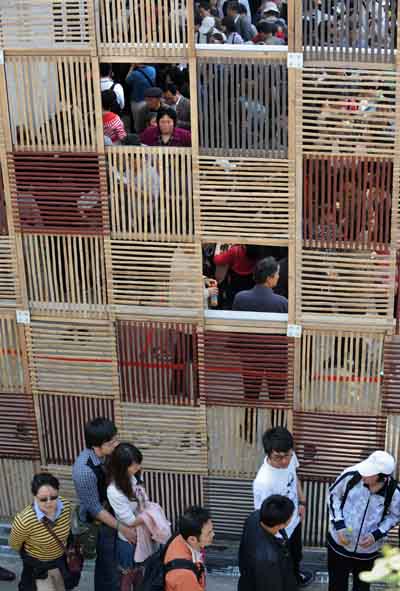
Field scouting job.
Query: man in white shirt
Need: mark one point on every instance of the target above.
(106, 82)
(278, 476)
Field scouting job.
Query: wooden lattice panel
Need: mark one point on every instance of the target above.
(64, 269)
(7, 272)
(46, 24)
(62, 420)
(15, 485)
(341, 372)
(315, 526)
(18, 431)
(143, 27)
(3, 211)
(235, 439)
(392, 444)
(230, 503)
(243, 107)
(247, 369)
(245, 199)
(158, 362)
(51, 101)
(11, 357)
(347, 202)
(327, 443)
(157, 274)
(151, 193)
(73, 357)
(167, 436)
(59, 193)
(350, 31)
(343, 283)
(391, 375)
(349, 111)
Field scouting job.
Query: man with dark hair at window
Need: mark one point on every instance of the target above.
(278, 476)
(195, 533)
(91, 488)
(242, 25)
(181, 104)
(261, 297)
(264, 558)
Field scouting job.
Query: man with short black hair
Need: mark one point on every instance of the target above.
(107, 83)
(181, 104)
(195, 533)
(264, 558)
(152, 104)
(261, 297)
(242, 25)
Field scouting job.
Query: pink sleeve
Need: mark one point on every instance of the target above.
(120, 129)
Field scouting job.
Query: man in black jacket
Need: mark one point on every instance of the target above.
(264, 559)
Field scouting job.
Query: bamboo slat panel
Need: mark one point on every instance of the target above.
(64, 475)
(3, 211)
(158, 362)
(392, 444)
(242, 198)
(157, 274)
(7, 272)
(350, 31)
(64, 269)
(59, 193)
(167, 436)
(243, 107)
(397, 294)
(341, 372)
(344, 283)
(73, 357)
(347, 202)
(11, 357)
(315, 526)
(143, 27)
(46, 24)
(151, 193)
(235, 439)
(327, 443)
(51, 102)
(15, 485)
(349, 111)
(230, 503)
(247, 369)
(391, 375)
(18, 431)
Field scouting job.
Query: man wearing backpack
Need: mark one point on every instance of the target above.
(364, 505)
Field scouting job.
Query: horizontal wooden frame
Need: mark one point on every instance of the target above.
(15, 498)
(239, 322)
(18, 429)
(348, 111)
(167, 436)
(230, 502)
(151, 193)
(8, 277)
(341, 371)
(245, 199)
(12, 356)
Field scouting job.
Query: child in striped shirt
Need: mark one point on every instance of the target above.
(113, 126)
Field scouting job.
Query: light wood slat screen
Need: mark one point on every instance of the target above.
(168, 436)
(327, 443)
(156, 274)
(15, 498)
(51, 101)
(391, 379)
(392, 444)
(230, 502)
(347, 202)
(147, 28)
(7, 273)
(73, 357)
(350, 31)
(151, 193)
(65, 270)
(158, 362)
(349, 111)
(341, 371)
(245, 199)
(243, 107)
(18, 429)
(46, 24)
(347, 283)
(11, 357)
(3, 211)
(235, 439)
(315, 525)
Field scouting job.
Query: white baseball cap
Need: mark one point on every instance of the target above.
(380, 462)
(271, 7)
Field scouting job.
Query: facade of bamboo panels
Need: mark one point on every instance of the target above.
(103, 247)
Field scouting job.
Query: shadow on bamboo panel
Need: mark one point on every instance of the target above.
(151, 193)
(158, 362)
(18, 432)
(11, 368)
(65, 270)
(230, 502)
(46, 24)
(347, 202)
(59, 193)
(3, 212)
(349, 111)
(8, 288)
(315, 525)
(73, 357)
(391, 375)
(143, 26)
(51, 103)
(243, 107)
(243, 198)
(342, 372)
(350, 31)
(15, 485)
(392, 444)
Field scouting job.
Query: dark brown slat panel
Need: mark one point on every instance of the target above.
(18, 432)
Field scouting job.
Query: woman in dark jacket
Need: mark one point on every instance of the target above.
(166, 133)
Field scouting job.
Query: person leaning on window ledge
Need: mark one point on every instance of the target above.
(166, 133)
(262, 297)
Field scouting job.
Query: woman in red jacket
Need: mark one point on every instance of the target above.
(166, 133)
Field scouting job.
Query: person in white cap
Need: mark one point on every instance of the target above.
(364, 505)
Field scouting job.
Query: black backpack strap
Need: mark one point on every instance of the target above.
(391, 488)
(352, 482)
(182, 563)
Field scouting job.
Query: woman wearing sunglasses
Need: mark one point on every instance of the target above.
(39, 534)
